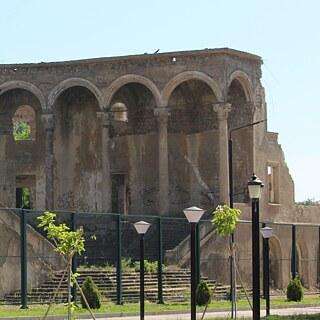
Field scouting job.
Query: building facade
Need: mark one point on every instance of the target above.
(145, 134)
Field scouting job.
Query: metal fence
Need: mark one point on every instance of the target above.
(27, 259)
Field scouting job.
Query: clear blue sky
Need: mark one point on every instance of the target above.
(284, 33)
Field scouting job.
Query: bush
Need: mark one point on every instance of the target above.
(295, 290)
(203, 294)
(92, 294)
(126, 264)
(149, 267)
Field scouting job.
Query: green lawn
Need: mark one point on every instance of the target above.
(38, 310)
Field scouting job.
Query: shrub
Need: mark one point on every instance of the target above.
(149, 267)
(92, 294)
(126, 264)
(295, 290)
(203, 294)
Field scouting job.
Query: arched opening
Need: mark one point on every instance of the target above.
(24, 123)
(22, 134)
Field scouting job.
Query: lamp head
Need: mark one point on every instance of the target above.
(255, 186)
(193, 214)
(142, 227)
(266, 232)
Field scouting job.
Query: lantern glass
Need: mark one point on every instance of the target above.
(266, 232)
(142, 227)
(255, 186)
(193, 214)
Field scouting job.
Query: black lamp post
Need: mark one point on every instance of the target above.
(255, 185)
(193, 215)
(266, 234)
(230, 167)
(141, 227)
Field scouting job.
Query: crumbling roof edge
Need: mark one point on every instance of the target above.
(146, 56)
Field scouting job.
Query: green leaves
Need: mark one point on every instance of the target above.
(21, 130)
(67, 242)
(225, 219)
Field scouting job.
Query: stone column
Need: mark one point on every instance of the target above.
(48, 121)
(162, 115)
(222, 110)
(105, 162)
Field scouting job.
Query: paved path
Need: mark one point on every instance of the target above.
(182, 315)
(185, 315)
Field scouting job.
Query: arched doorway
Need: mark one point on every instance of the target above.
(276, 262)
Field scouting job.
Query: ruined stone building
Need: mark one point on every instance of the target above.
(148, 134)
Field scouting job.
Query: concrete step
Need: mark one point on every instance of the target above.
(176, 284)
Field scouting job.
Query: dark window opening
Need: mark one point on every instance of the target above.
(119, 194)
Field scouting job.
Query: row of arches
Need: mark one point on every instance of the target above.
(307, 264)
(130, 102)
(161, 99)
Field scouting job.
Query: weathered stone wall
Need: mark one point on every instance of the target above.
(42, 259)
(168, 152)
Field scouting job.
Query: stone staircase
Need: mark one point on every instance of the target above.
(176, 287)
(173, 233)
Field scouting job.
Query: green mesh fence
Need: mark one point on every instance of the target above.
(34, 269)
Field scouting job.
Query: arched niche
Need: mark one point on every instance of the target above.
(241, 114)
(77, 150)
(134, 154)
(193, 145)
(276, 279)
(302, 257)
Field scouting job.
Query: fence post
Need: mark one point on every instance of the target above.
(293, 254)
(160, 261)
(119, 256)
(74, 258)
(264, 265)
(318, 262)
(198, 273)
(23, 259)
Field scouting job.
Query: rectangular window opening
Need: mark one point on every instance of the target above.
(273, 183)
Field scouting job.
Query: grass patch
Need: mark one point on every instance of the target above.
(109, 307)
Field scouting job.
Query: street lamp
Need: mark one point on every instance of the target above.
(255, 186)
(193, 214)
(141, 227)
(266, 234)
(230, 167)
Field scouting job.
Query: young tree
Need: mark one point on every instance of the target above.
(67, 243)
(225, 221)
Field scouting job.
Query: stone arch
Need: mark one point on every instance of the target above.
(120, 82)
(73, 82)
(190, 75)
(76, 147)
(239, 95)
(303, 263)
(276, 261)
(245, 82)
(17, 84)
